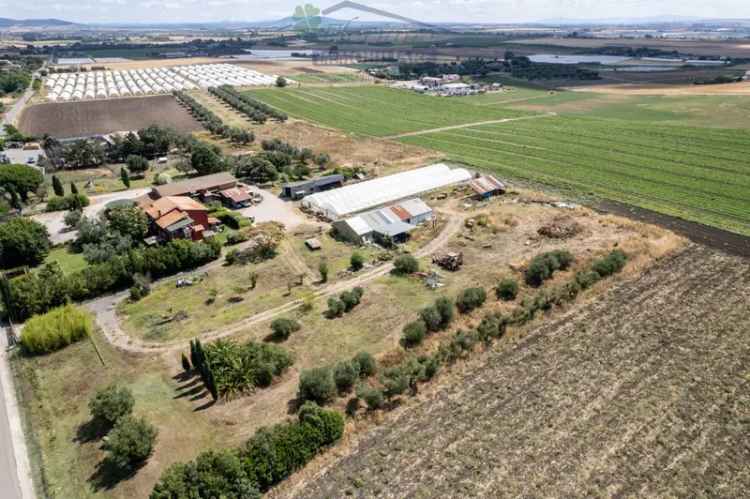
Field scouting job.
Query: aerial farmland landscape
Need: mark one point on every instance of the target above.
(374, 250)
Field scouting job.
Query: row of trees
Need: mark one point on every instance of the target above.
(38, 292)
(256, 110)
(213, 123)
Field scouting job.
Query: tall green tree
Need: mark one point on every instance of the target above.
(125, 177)
(57, 186)
(23, 242)
(73, 188)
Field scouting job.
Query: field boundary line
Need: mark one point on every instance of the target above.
(467, 125)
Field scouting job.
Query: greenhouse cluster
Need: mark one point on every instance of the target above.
(151, 81)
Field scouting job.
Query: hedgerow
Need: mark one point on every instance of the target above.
(543, 266)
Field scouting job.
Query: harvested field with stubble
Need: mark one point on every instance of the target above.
(78, 119)
(644, 392)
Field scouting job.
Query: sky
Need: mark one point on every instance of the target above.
(426, 10)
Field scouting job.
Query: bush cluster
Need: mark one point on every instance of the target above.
(37, 292)
(65, 203)
(55, 330)
(282, 328)
(507, 289)
(405, 265)
(344, 303)
(470, 299)
(130, 443)
(23, 242)
(269, 457)
(543, 266)
(111, 403)
(436, 317)
(317, 385)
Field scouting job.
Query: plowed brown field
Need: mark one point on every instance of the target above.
(79, 119)
(642, 393)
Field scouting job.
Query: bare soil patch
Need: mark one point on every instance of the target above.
(77, 119)
(741, 88)
(288, 68)
(644, 392)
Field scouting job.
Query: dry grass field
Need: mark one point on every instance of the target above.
(695, 47)
(76, 119)
(642, 393)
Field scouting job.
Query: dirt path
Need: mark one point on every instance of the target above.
(105, 308)
(467, 125)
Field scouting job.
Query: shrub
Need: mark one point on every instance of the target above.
(586, 279)
(395, 382)
(366, 364)
(543, 266)
(136, 164)
(431, 367)
(345, 374)
(373, 397)
(140, 289)
(323, 271)
(470, 299)
(351, 299)
(317, 385)
(69, 202)
(431, 318)
(357, 261)
(336, 308)
(611, 264)
(236, 368)
(491, 327)
(112, 403)
(237, 238)
(507, 290)
(405, 264)
(282, 328)
(212, 474)
(23, 242)
(20, 179)
(72, 218)
(131, 442)
(55, 330)
(413, 334)
(444, 306)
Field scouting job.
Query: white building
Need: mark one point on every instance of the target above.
(338, 203)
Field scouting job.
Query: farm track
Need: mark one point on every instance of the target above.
(644, 392)
(106, 316)
(468, 125)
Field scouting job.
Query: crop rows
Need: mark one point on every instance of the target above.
(375, 111)
(615, 160)
(252, 108)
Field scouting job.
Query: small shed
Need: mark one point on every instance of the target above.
(487, 186)
(298, 190)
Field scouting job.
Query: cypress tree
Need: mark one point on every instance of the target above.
(57, 186)
(211, 384)
(194, 355)
(125, 177)
(73, 188)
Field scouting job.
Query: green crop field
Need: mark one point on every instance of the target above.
(700, 174)
(377, 111)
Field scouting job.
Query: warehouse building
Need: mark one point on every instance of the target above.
(385, 226)
(196, 187)
(339, 203)
(298, 190)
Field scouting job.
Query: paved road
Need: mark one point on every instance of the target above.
(11, 436)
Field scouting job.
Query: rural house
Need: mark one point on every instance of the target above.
(298, 190)
(177, 217)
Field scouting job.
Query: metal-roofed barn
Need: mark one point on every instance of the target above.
(196, 186)
(338, 203)
(487, 186)
(385, 225)
(298, 190)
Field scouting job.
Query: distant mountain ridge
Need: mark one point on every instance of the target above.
(33, 23)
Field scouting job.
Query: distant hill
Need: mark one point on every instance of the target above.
(33, 23)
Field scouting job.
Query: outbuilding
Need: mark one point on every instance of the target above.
(487, 186)
(298, 190)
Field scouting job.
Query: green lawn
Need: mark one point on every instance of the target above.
(325, 77)
(378, 111)
(68, 261)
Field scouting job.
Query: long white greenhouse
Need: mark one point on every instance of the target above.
(384, 190)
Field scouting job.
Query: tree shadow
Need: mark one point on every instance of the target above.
(293, 406)
(91, 431)
(107, 475)
(200, 395)
(184, 376)
(205, 406)
(194, 389)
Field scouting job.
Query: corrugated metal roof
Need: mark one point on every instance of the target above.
(204, 183)
(486, 184)
(415, 207)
